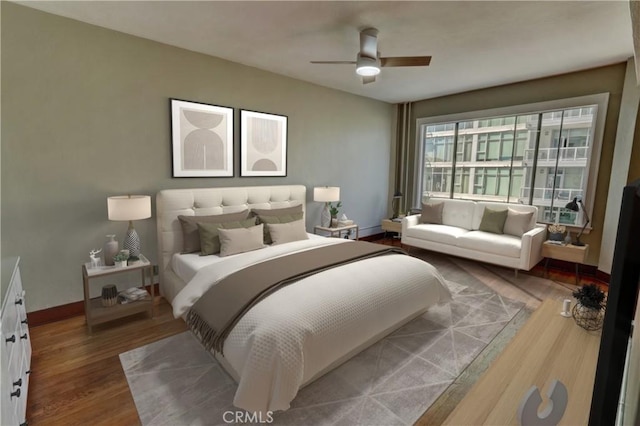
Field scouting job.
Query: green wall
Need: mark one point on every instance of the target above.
(598, 80)
(85, 115)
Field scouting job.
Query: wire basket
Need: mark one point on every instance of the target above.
(588, 318)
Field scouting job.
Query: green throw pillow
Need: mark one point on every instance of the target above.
(285, 218)
(493, 221)
(209, 237)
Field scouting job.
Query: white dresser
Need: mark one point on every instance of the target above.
(16, 346)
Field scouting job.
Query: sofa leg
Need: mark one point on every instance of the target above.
(516, 272)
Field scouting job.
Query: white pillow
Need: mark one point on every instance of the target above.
(517, 223)
(240, 240)
(287, 232)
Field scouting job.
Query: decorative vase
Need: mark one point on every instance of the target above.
(109, 295)
(334, 221)
(120, 263)
(587, 317)
(110, 249)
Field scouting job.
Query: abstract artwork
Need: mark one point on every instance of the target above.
(263, 144)
(202, 139)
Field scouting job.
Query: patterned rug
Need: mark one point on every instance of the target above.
(176, 382)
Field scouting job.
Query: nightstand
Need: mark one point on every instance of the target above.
(98, 314)
(566, 252)
(337, 230)
(389, 225)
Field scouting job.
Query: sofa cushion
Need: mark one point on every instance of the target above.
(520, 208)
(432, 213)
(443, 234)
(487, 242)
(458, 213)
(517, 223)
(493, 221)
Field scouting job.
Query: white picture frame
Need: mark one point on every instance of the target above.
(263, 144)
(201, 139)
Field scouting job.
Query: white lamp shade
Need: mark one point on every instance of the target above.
(129, 207)
(326, 194)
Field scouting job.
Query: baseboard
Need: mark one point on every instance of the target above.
(62, 312)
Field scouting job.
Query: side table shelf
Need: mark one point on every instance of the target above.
(98, 314)
(337, 230)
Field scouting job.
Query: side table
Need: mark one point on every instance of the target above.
(98, 314)
(337, 230)
(390, 225)
(566, 252)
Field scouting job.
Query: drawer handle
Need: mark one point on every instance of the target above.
(11, 339)
(19, 302)
(24, 336)
(16, 393)
(24, 321)
(18, 382)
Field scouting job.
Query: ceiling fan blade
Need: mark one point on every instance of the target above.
(405, 61)
(333, 62)
(369, 42)
(368, 79)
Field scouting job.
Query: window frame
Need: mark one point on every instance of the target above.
(601, 100)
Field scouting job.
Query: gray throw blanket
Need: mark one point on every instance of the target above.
(213, 316)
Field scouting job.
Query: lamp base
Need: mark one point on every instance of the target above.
(132, 242)
(325, 217)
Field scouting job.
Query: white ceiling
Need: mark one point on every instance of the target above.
(474, 44)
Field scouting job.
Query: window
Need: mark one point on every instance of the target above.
(537, 154)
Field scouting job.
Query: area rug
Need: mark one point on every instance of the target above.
(176, 382)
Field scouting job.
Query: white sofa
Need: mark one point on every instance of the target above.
(458, 234)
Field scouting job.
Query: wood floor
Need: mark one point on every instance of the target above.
(77, 378)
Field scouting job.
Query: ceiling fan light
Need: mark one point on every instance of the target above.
(367, 66)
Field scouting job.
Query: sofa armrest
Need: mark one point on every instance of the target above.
(410, 221)
(531, 251)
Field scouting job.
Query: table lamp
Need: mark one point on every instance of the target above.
(573, 205)
(326, 195)
(130, 207)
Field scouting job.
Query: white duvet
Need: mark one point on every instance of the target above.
(303, 328)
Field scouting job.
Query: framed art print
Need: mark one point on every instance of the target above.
(263, 144)
(201, 139)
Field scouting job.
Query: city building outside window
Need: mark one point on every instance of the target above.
(542, 154)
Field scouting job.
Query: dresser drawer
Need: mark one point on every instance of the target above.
(15, 347)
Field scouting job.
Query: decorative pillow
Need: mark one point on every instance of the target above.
(286, 232)
(210, 238)
(517, 223)
(240, 240)
(277, 212)
(493, 220)
(432, 213)
(285, 218)
(190, 234)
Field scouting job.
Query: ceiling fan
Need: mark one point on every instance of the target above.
(368, 61)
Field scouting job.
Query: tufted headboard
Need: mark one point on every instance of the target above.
(208, 201)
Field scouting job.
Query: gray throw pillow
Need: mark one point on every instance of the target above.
(241, 240)
(517, 223)
(432, 213)
(287, 232)
(277, 212)
(284, 218)
(190, 233)
(210, 234)
(493, 221)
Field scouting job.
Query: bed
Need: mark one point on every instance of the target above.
(307, 328)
